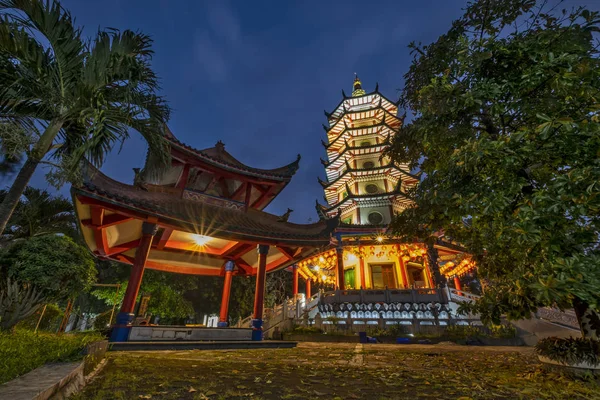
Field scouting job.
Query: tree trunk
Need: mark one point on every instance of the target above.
(588, 319)
(37, 154)
(432, 260)
(16, 190)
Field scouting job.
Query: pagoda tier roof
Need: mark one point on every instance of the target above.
(197, 234)
(383, 129)
(217, 156)
(338, 126)
(394, 170)
(360, 150)
(362, 198)
(360, 100)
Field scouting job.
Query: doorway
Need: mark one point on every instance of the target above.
(416, 275)
(382, 276)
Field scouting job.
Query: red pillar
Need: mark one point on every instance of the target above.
(137, 270)
(295, 281)
(259, 293)
(224, 314)
(457, 284)
(363, 281)
(120, 331)
(307, 290)
(340, 268)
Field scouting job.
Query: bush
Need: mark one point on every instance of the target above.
(306, 330)
(570, 351)
(23, 350)
(462, 332)
(50, 320)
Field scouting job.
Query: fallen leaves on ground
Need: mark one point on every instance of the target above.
(324, 371)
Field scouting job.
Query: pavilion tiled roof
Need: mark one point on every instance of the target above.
(218, 156)
(205, 218)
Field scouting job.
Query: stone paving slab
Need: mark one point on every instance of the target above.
(43, 382)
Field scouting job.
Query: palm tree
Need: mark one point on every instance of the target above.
(73, 98)
(38, 213)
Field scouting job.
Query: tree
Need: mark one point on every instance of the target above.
(45, 269)
(506, 128)
(39, 213)
(67, 98)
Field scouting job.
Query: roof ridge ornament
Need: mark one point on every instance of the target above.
(286, 216)
(220, 147)
(357, 87)
(344, 94)
(377, 87)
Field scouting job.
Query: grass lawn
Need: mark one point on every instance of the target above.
(335, 371)
(22, 351)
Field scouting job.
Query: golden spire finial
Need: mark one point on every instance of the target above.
(357, 87)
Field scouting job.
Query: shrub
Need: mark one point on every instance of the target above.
(23, 350)
(570, 351)
(304, 330)
(462, 331)
(503, 331)
(50, 320)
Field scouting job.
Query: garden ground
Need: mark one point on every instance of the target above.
(336, 371)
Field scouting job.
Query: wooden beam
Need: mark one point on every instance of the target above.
(164, 238)
(248, 194)
(122, 248)
(239, 190)
(97, 215)
(175, 269)
(224, 187)
(286, 252)
(183, 178)
(258, 202)
(108, 220)
(274, 264)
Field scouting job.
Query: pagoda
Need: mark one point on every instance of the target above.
(364, 189)
(362, 184)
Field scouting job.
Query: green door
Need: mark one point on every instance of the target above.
(349, 278)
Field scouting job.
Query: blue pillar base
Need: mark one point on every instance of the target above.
(257, 333)
(221, 324)
(120, 331)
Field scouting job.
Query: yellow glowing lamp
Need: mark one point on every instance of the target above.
(199, 240)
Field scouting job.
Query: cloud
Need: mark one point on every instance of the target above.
(210, 57)
(225, 25)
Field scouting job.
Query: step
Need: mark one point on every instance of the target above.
(190, 345)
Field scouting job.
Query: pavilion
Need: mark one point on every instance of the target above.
(202, 217)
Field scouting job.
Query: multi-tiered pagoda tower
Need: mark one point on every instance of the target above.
(364, 189)
(366, 186)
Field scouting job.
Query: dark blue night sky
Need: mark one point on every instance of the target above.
(258, 74)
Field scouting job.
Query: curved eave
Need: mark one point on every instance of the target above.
(350, 171)
(334, 131)
(342, 134)
(334, 114)
(282, 174)
(355, 197)
(339, 160)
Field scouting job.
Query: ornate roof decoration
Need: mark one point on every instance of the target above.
(357, 87)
